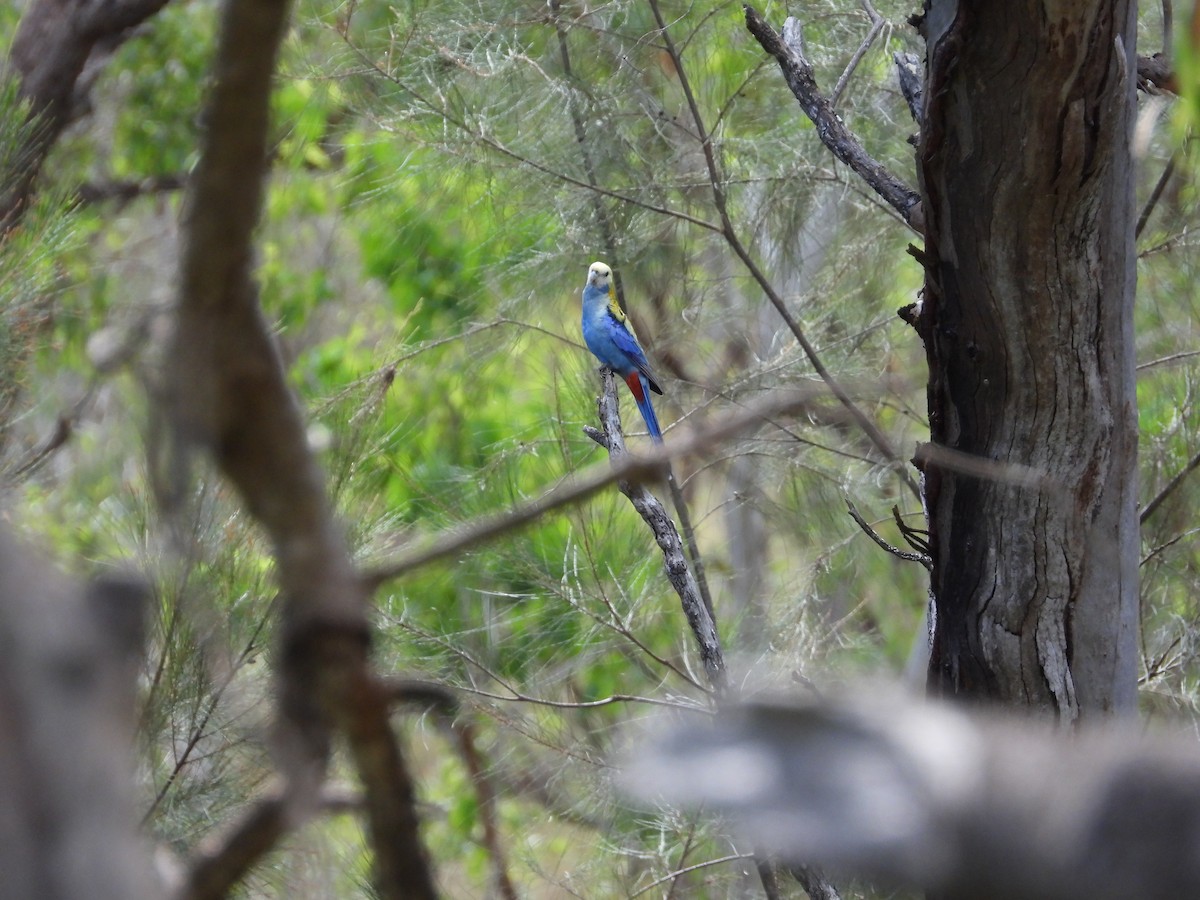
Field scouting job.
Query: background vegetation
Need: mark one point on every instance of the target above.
(443, 174)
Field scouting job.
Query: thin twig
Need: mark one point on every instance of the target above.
(1157, 193)
(199, 726)
(877, 23)
(1169, 489)
(735, 244)
(64, 429)
(504, 150)
(917, 538)
(707, 864)
(870, 532)
(1167, 360)
(1167, 545)
(830, 128)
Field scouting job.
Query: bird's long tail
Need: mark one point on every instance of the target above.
(640, 388)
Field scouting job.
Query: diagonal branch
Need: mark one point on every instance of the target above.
(877, 23)
(922, 558)
(227, 393)
(833, 132)
(224, 859)
(652, 511)
(450, 543)
(721, 202)
(1169, 489)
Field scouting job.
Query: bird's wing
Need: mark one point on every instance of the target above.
(619, 331)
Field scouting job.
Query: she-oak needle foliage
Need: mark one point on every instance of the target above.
(443, 175)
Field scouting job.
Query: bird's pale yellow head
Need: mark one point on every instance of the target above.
(599, 276)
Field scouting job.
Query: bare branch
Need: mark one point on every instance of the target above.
(1155, 196)
(1169, 489)
(877, 23)
(832, 131)
(228, 393)
(910, 73)
(654, 514)
(870, 532)
(222, 861)
(696, 867)
(1169, 359)
(917, 538)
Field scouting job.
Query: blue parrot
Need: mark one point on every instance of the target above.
(608, 335)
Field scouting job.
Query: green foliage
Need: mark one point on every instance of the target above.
(427, 229)
(160, 80)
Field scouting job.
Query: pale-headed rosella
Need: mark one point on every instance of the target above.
(607, 333)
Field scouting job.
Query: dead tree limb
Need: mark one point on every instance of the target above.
(830, 128)
(612, 438)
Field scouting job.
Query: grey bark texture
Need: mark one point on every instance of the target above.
(69, 659)
(904, 792)
(1026, 180)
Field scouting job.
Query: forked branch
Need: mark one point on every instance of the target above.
(830, 128)
(652, 511)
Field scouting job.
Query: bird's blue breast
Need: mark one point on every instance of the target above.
(599, 328)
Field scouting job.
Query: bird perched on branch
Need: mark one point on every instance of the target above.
(607, 333)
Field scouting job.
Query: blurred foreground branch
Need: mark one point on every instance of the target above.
(454, 541)
(227, 393)
(58, 51)
(962, 805)
(69, 659)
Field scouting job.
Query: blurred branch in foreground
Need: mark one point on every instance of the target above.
(965, 805)
(68, 673)
(228, 394)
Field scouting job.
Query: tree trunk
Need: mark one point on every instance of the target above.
(1030, 479)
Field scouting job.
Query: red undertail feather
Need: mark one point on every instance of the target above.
(635, 385)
